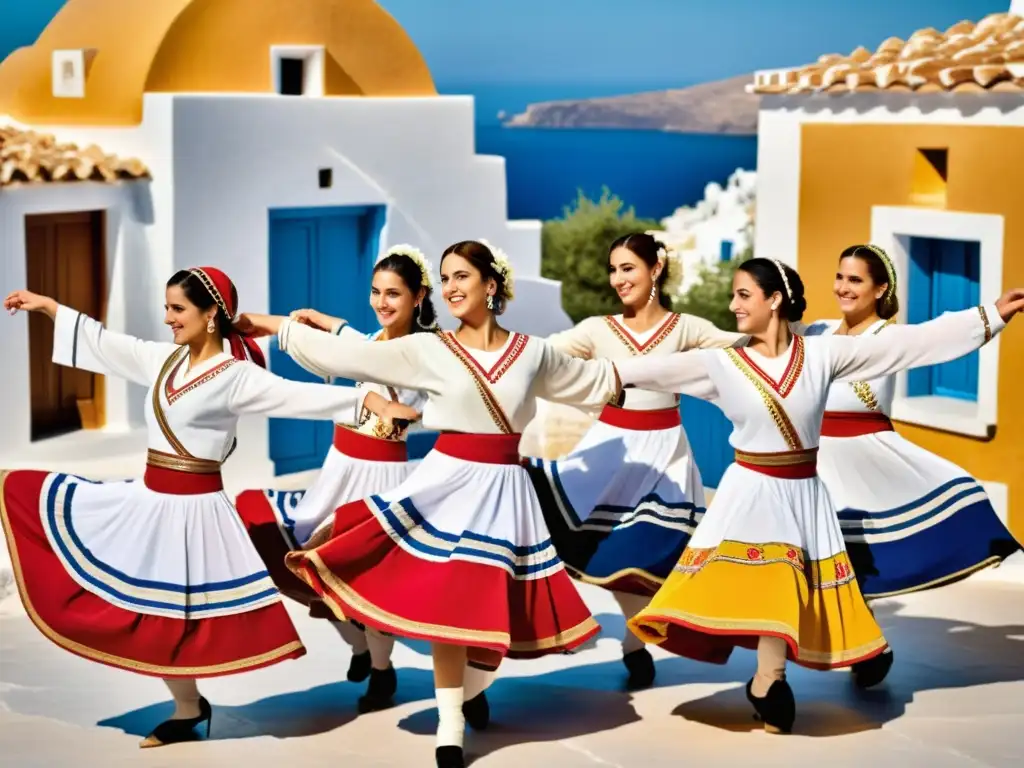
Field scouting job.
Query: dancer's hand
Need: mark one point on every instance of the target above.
(255, 326)
(314, 319)
(1010, 303)
(395, 411)
(30, 302)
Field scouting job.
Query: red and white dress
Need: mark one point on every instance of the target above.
(459, 552)
(623, 504)
(365, 457)
(158, 576)
(769, 559)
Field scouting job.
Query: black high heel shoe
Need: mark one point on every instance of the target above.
(178, 730)
(477, 712)
(777, 709)
(450, 757)
(640, 665)
(380, 692)
(867, 674)
(359, 667)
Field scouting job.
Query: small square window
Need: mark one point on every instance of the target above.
(292, 76)
(325, 178)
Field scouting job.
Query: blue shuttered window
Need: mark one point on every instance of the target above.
(944, 277)
(725, 250)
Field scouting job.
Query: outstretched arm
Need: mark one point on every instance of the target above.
(576, 341)
(258, 391)
(901, 347)
(710, 336)
(684, 373)
(569, 380)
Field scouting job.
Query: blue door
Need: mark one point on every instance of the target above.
(708, 431)
(320, 258)
(944, 277)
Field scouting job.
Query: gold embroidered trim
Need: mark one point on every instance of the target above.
(988, 328)
(490, 401)
(862, 389)
(182, 463)
(642, 349)
(158, 409)
(780, 459)
(794, 367)
(775, 409)
(175, 394)
(280, 653)
(208, 283)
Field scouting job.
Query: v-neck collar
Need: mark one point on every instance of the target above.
(789, 376)
(626, 336)
(513, 347)
(196, 377)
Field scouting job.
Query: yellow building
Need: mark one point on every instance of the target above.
(918, 148)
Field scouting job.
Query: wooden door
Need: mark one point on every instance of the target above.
(65, 260)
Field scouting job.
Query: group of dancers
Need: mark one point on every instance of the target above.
(475, 548)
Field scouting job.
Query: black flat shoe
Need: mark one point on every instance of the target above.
(359, 667)
(777, 710)
(450, 757)
(640, 665)
(380, 692)
(873, 671)
(477, 712)
(178, 730)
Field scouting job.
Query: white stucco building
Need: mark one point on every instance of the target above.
(290, 157)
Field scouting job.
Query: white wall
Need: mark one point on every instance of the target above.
(778, 143)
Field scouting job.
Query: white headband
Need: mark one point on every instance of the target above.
(785, 280)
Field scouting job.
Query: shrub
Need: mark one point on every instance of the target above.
(709, 298)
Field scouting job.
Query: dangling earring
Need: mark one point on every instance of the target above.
(654, 293)
(490, 302)
(418, 316)
(210, 326)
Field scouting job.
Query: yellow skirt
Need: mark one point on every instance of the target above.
(730, 595)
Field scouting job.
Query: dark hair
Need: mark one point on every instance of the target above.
(424, 317)
(647, 249)
(875, 260)
(197, 293)
(481, 257)
(767, 273)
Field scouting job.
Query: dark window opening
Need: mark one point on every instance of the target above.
(292, 75)
(325, 178)
(939, 160)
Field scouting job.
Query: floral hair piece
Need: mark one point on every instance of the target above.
(417, 257)
(671, 261)
(785, 280)
(502, 267)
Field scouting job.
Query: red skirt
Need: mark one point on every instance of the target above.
(381, 569)
(89, 626)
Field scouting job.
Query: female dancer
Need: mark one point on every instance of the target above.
(767, 567)
(362, 461)
(622, 506)
(458, 554)
(922, 521)
(159, 577)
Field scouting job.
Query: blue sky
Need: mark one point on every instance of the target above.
(618, 41)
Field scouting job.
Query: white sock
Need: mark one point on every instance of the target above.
(451, 724)
(186, 697)
(381, 647)
(631, 605)
(476, 681)
(352, 635)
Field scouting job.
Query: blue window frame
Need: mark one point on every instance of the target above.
(725, 250)
(944, 277)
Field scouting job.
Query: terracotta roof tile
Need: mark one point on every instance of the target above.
(30, 157)
(967, 57)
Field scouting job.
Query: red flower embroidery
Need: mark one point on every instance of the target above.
(842, 570)
(791, 554)
(753, 554)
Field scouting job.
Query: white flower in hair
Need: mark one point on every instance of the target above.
(674, 272)
(417, 257)
(503, 267)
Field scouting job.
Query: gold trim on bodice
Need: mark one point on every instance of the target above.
(188, 464)
(623, 334)
(775, 409)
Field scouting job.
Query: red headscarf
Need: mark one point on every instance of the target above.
(220, 287)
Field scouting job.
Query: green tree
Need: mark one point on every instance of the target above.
(574, 249)
(710, 296)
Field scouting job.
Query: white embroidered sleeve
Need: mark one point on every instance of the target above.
(571, 381)
(947, 337)
(576, 341)
(82, 342)
(709, 336)
(684, 373)
(257, 391)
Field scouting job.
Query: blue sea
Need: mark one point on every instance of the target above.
(652, 171)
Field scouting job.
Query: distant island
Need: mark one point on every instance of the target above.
(722, 107)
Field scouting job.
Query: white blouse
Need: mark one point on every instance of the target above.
(467, 390)
(776, 404)
(194, 411)
(607, 337)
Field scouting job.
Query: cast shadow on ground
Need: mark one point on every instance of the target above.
(930, 654)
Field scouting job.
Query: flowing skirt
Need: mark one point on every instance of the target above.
(278, 522)
(767, 559)
(160, 582)
(911, 520)
(458, 553)
(622, 506)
